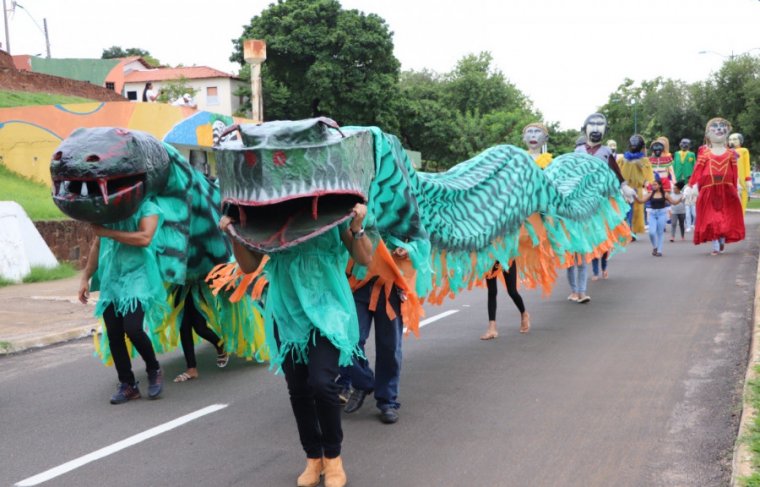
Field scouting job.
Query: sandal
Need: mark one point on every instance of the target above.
(184, 377)
(222, 359)
(605, 275)
(525, 323)
(489, 335)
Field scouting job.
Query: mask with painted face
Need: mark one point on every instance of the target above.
(535, 136)
(594, 127)
(636, 143)
(657, 149)
(735, 140)
(685, 144)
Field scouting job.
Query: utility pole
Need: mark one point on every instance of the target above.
(47, 38)
(255, 53)
(7, 35)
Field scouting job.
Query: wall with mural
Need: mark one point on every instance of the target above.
(29, 135)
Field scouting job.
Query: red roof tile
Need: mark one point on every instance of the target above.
(166, 74)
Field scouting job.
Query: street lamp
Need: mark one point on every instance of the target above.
(731, 56)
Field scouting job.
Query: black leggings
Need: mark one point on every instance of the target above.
(510, 277)
(192, 319)
(677, 220)
(314, 398)
(130, 324)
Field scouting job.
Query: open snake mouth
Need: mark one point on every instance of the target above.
(111, 190)
(277, 225)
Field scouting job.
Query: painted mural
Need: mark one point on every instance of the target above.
(29, 135)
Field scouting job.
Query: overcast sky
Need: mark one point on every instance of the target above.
(567, 56)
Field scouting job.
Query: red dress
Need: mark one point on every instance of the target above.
(719, 210)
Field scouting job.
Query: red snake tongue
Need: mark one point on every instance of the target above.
(103, 183)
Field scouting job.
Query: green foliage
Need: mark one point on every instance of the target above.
(174, 89)
(116, 52)
(41, 274)
(323, 60)
(10, 99)
(752, 438)
(453, 117)
(35, 198)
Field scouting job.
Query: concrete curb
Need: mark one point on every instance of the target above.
(50, 339)
(741, 465)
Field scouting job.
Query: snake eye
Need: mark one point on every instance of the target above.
(57, 156)
(92, 158)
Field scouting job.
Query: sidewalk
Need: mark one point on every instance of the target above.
(44, 313)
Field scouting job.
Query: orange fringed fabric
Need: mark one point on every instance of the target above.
(536, 264)
(390, 271)
(616, 237)
(228, 276)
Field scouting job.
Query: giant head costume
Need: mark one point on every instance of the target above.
(735, 140)
(535, 136)
(716, 131)
(594, 127)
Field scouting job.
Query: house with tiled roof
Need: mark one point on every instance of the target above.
(214, 90)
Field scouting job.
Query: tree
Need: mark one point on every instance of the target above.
(115, 52)
(323, 60)
(174, 89)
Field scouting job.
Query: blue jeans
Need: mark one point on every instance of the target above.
(388, 336)
(691, 215)
(595, 264)
(657, 219)
(717, 243)
(577, 275)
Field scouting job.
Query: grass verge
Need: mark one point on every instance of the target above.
(752, 437)
(42, 274)
(10, 99)
(35, 198)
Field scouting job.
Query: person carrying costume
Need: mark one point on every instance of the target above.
(736, 141)
(662, 162)
(535, 136)
(193, 320)
(683, 167)
(594, 128)
(312, 329)
(124, 257)
(638, 174)
(715, 177)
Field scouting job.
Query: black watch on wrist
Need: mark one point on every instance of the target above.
(359, 234)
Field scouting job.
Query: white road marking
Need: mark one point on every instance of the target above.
(437, 317)
(126, 443)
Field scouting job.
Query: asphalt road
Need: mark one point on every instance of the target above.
(641, 387)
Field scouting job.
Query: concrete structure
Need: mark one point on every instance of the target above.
(21, 245)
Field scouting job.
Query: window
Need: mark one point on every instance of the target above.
(132, 95)
(110, 86)
(212, 95)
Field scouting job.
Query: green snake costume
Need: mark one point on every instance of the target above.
(288, 182)
(110, 176)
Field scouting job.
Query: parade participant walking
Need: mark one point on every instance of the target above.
(124, 257)
(594, 127)
(720, 219)
(638, 173)
(658, 198)
(192, 319)
(662, 162)
(389, 332)
(736, 141)
(314, 329)
(677, 211)
(510, 279)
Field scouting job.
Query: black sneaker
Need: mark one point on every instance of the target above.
(356, 400)
(389, 415)
(155, 383)
(125, 392)
(343, 395)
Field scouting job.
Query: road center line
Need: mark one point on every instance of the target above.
(125, 443)
(437, 317)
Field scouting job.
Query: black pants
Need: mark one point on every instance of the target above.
(677, 220)
(192, 319)
(130, 324)
(510, 277)
(314, 398)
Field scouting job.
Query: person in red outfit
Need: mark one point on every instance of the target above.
(715, 177)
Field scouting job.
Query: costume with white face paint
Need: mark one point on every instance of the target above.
(719, 209)
(736, 141)
(535, 136)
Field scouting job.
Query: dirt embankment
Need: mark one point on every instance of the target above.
(12, 79)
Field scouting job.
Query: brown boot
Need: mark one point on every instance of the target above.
(311, 474)
(335, 476)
